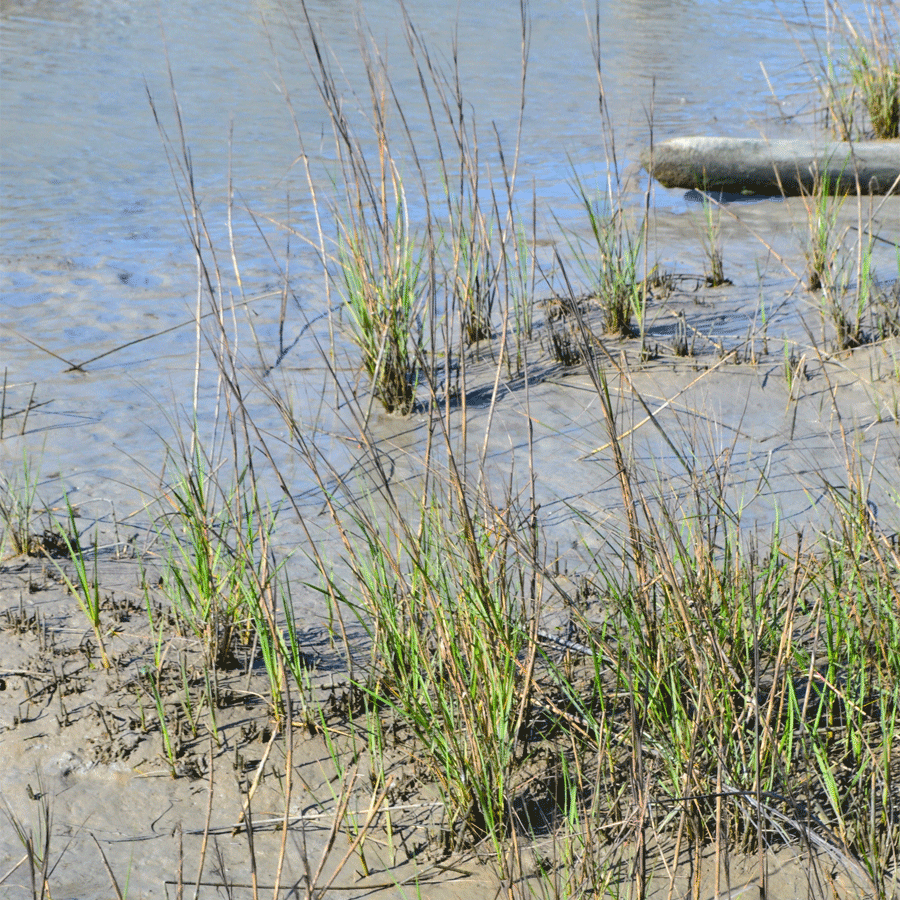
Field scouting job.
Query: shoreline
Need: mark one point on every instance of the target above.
(89, 756)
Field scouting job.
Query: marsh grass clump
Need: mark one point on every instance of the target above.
(18, 499)
(711, 236)
(611, 261)
(566, 329)
(822, 249)
(217, 564)
(858, 307)
(443, 601)
(380, 265)
(874, 64)
(878, 81)
(477, 303)
(860, 78)
(85, 585)
(416, 290)
(886, 310)
(477, 276)
(37, 843)
(795, 371)
(828, 267)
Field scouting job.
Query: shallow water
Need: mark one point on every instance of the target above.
(96, 261)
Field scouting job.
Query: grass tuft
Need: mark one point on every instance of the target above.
(85, 585)
(380, 265)
(860, 77)
(611, 262)
(874, 64)
(217, 564)
(18, 498)
(442, 601)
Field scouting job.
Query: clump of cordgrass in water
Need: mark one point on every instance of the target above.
(886, 308)
(565, 344)
(823, 245)
(879, 85)
(852, 300)
(380, 266)
(610, 264)
(874, 64)
(477, 276)
(476, 306)
(469, 246)
(795, 371)
(861, 80)
(711, 236)
(36, 843)
(827, 265)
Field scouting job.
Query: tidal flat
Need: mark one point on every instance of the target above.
(464, 540)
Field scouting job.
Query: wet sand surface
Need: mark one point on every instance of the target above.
(85, 743)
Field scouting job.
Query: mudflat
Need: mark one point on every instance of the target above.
(172, 770)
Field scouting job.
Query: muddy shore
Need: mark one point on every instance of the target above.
(84, 759)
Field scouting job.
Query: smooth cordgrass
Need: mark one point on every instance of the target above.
(449, 647)
(18, 498)
(874, 66)
(216, 564)
(858, 71)
(610, 260)
(85, 585)
(380, 264)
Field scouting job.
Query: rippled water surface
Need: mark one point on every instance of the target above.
(96, 257)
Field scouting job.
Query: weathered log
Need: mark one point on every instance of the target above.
(757, 166)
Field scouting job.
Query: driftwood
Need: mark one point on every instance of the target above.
(757, 166)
